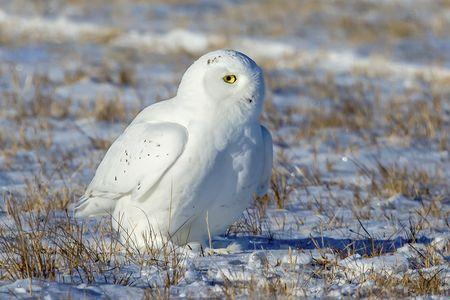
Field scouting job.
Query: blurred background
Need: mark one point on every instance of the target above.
(130, 42)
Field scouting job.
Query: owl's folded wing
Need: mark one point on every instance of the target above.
(134, 163)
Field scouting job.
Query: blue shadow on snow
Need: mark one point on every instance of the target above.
(362, 247)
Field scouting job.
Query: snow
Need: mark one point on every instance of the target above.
(57, 30)
(343, 224)
(174, 40)
(22, 289)
(358, 266)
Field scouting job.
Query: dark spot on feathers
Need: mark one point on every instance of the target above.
(148, 154)
(159, 145)
(115, 178)
(213, 60)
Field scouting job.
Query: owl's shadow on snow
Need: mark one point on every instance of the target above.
(361, 246)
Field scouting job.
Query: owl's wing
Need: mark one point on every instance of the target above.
(266, 174)
(134, 163)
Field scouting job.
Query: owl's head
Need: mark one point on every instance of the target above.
(225, 78)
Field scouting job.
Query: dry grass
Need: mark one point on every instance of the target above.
(328, 107)
(34, 97)
(414, 183)
(352, 107)
(352, 21)
(429, 188)
(110, 110)
(421, 119)
(281, 187)
(384, 24)
(18, 105)
(252, 222)
(425, 276)
(270, 285)
(419, 284)
(47, 243)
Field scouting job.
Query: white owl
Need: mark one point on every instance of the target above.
(187, 167)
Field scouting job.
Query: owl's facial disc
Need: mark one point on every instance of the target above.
(233, 77)
(225, 78)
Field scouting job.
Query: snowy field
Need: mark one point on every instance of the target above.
(358, 103)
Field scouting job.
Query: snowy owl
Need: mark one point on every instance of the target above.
(187, 167)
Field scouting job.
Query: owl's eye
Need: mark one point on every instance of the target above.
(229, 78)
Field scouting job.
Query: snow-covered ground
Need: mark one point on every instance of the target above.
(358, 103)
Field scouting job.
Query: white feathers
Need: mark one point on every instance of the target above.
(201, 154)
(133, 164)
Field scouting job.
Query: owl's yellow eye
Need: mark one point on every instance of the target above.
(229, 78)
